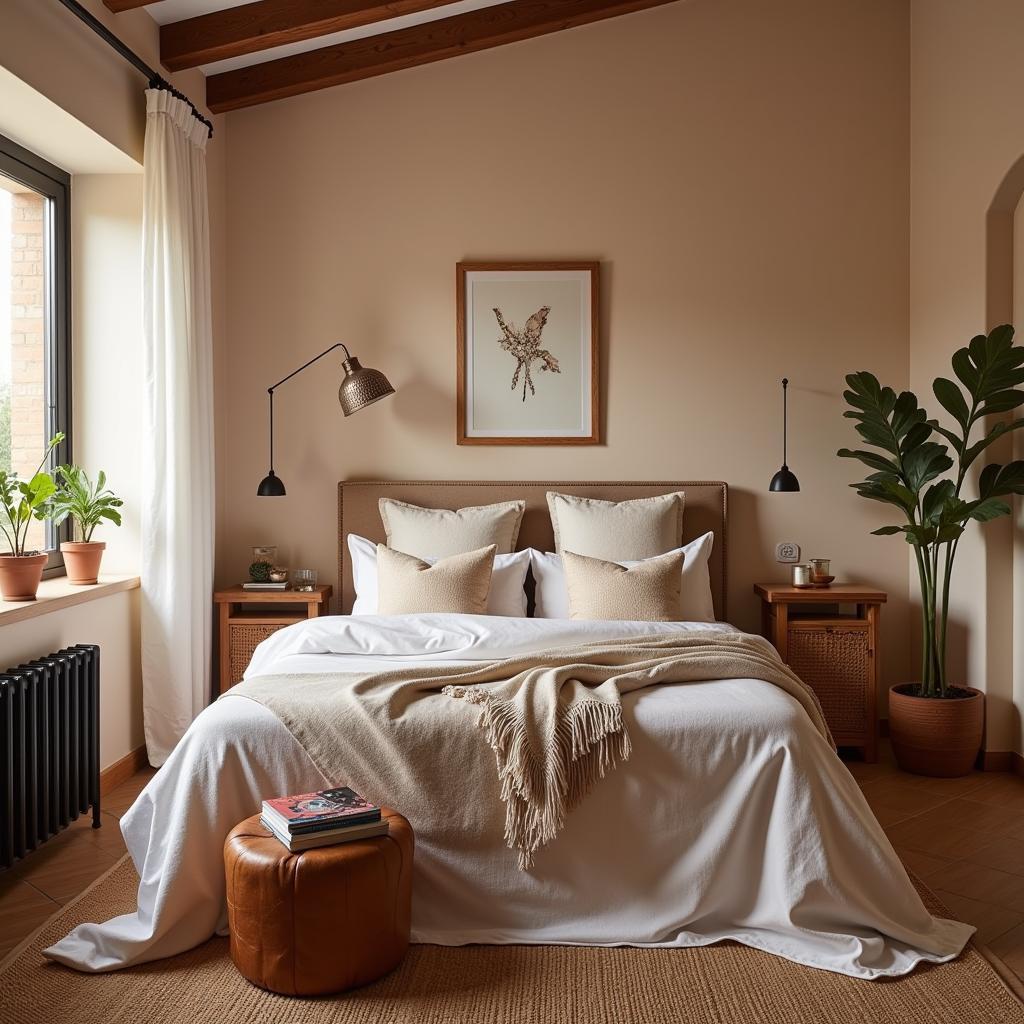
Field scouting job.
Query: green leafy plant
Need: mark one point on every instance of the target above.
(87, 503)
(21, 501)
(259, 572)
(910, 470)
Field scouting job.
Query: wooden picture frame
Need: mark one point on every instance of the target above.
(505, 312)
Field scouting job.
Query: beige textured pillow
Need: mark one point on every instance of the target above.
(649, 591)
(622, 531)
(459, 583)
(439, 532)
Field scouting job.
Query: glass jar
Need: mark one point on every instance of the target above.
(304, 579)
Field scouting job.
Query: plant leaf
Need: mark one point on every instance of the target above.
(952, 400)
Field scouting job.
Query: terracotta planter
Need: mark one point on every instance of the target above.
(82, 559)
(20, 576)
(935, 736)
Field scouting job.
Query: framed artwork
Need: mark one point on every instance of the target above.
(527, 353)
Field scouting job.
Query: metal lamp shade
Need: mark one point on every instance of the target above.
(784, 480)
(361, 387)
(271, 486)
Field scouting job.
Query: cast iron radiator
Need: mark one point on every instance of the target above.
(49, 748)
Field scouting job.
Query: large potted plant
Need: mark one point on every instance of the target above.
(21, 501)
(936, 724)
(88, 504)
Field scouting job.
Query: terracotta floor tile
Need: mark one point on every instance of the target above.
(924, 865)
(943, 840)
(124, 796)
(1003, 789)
(991, 921)
(978, 817)
(22, 910)
(1004, 853)
(66, 872)
(981, 883)
(1009, 947)
(897, 800)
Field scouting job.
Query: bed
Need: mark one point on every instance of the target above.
(731, 819)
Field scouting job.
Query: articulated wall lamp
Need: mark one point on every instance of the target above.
(360, 388)
(784, 480)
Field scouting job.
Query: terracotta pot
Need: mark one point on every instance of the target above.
(82, 559)
(936, 736)
(20, 576)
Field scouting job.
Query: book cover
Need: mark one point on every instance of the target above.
(326, 805)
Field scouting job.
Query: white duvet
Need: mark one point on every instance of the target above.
(732, 819)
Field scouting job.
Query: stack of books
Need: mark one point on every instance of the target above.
(324, 818)
(266, 585)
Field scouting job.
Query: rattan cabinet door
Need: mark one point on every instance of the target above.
(244, 638)
(837, 662)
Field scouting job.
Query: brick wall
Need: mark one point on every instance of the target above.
(28, 413)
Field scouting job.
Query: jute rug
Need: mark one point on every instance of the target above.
(723, 984)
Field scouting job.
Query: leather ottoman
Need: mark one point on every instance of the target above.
(321, 920)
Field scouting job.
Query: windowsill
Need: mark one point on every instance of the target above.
(57, 593)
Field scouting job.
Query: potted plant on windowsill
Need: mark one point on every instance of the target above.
(935, 725)
(21, 501)
(87, 504)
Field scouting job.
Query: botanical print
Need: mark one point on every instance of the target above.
(527, 361)
(524, 345)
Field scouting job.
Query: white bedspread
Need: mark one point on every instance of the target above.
(732, 820)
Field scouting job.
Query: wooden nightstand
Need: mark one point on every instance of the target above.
(835, 654)
(249, 616)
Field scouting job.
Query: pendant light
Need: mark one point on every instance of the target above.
(784, 480)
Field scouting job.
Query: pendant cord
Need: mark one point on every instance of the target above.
(271, 431)
(785, 420)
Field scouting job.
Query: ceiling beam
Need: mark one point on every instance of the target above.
(117, 6)
(266, 23)
(407, 48)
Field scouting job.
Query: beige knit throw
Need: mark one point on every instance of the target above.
(553, 720)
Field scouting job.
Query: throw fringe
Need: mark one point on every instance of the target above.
(589, 741)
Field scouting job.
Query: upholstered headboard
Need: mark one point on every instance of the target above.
(705, 511)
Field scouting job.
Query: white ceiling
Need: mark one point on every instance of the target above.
(176, 10)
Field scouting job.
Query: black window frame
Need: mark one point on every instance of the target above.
(54, 183)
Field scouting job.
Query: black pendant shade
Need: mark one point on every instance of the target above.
(361, 387)
(784, 479)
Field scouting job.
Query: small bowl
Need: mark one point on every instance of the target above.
(822, 581)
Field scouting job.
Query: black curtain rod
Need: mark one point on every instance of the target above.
(156, 81)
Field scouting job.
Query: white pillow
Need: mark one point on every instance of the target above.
(637, 528)
(507, 596)
(440, 532)
(551, 596)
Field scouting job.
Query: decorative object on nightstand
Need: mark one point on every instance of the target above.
(360, 388)
(248, 617)
(835, 654)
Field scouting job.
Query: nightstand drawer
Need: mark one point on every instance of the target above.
(837, 661)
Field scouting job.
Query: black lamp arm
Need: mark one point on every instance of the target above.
(270, 390)
(785, 419)
(338, 344)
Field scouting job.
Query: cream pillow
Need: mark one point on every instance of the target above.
(507, 596)
(617, 530)
(459, 583)
(646, 592)
(551, 597)
(439, 532)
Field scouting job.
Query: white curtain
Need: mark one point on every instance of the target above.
(177, 442)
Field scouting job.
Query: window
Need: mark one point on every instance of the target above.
(35, 312)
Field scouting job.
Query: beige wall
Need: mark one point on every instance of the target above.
(113, 623)
(966, 135)
(739, 168)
